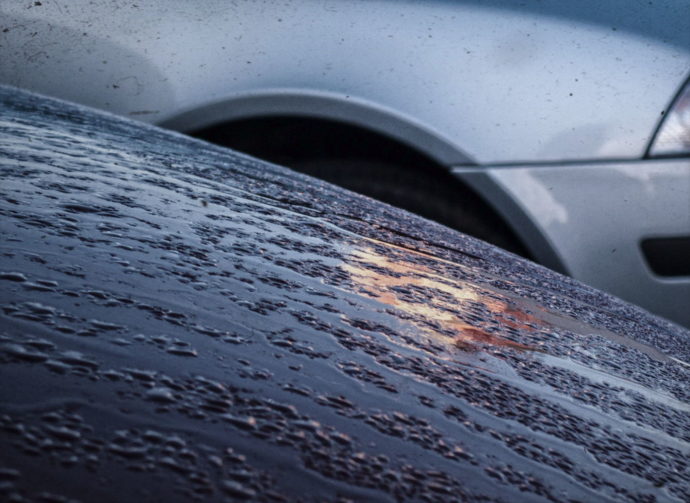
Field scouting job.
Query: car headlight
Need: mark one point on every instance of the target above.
(673, 136)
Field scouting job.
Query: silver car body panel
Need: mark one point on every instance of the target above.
(323, 105)
(542, 81)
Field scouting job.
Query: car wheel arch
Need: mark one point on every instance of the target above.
(320, 105)
(403, 133)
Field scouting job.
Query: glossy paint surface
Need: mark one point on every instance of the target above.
(181, 322)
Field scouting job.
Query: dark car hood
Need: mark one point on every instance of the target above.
(181, 321)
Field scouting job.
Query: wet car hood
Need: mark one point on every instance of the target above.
(181, 321)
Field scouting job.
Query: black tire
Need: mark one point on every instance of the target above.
(436, 196)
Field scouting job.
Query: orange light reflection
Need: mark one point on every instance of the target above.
(425, 297)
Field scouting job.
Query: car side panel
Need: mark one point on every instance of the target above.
(629, 202)
(545, 81)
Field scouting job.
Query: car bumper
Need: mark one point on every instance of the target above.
(590, 219)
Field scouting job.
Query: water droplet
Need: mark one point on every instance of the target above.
(161, 395)
(189, 352)
(23, 353)
(13, 276)
(237, 490)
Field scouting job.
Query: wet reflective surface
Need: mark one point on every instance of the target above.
(177, 322)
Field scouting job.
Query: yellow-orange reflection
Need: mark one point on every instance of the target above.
(401, 284)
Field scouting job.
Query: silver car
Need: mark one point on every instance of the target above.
(558, 130)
